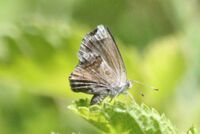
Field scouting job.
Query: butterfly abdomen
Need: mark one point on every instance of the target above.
(96, 99)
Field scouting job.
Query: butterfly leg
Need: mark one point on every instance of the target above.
(129, 95)
(97, 98)
(114, 94)
(111, 98)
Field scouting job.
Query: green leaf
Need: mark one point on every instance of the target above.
(192, 130)
(122, 117)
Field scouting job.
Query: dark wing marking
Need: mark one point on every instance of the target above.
(85, 80)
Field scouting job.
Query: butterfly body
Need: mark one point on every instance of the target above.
(101, 70)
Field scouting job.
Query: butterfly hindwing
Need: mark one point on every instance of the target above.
(84, 80)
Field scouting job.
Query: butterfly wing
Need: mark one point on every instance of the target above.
(100, 64)
(101, 43)
(86, 79)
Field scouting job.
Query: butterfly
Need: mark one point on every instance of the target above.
(101, 71)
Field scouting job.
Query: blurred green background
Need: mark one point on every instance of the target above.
(39, 40)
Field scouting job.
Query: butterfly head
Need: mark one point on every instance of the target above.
(129, 84)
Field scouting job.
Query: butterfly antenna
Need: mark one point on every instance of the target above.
(130, 96)
(140, 83)
(140, 92)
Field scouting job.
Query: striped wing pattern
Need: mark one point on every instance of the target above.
(100, 67)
